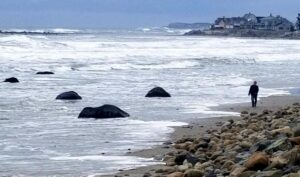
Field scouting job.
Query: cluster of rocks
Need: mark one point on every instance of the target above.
(102, 112)
(107, 111)
(258, 145)
(15, 80)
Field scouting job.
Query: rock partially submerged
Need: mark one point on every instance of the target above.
(103, 112)
(71, 95)
(44, 72)
(158, 92)
(11, 80)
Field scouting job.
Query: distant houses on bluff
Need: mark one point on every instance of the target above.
(251, 25)
(251, 21)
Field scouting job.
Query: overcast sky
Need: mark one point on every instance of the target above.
(132, 13)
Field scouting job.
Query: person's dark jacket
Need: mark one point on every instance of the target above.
(253, 90)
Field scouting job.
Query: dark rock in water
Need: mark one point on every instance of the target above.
(158, 92)
(11, 80)
(71, 95)
(44, 72)
(103, 112)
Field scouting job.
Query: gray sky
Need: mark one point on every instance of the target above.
(132, 13)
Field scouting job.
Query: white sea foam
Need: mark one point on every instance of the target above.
(111, 159)
(54, 30)
(119, 68)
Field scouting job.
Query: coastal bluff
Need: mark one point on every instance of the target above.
(251, 25)
(245, 33)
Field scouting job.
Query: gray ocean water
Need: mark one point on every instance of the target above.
(41, 136)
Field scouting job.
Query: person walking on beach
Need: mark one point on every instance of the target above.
(253, 91)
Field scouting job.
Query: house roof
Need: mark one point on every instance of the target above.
(276, 20)
(230, 21)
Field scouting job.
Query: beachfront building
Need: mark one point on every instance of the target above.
(298, 22)
(251, 21)
(277, 23)
(229, 23)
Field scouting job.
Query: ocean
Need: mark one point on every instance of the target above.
(41, 136)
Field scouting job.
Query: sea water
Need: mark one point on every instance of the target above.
(41, 136)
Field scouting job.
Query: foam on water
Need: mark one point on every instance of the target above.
(54, 30)
(43, 137)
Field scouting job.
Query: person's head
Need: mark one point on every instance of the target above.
(254, 83)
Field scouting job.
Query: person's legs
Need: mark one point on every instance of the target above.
(252, 100)
(255, 100)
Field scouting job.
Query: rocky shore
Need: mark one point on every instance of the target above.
(246, 33)
(262, 142)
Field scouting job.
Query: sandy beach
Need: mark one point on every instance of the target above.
(196, 128)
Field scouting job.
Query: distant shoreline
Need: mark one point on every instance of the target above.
(46, 33)
(246, 33)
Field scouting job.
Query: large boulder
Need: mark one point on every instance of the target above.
(44, 72)
(258, 161)
(71, 95)
(103, 112)
(158, 92)
(11, 80)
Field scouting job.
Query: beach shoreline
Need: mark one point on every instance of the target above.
(200, 126)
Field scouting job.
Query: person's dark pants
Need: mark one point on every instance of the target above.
(254, 100)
